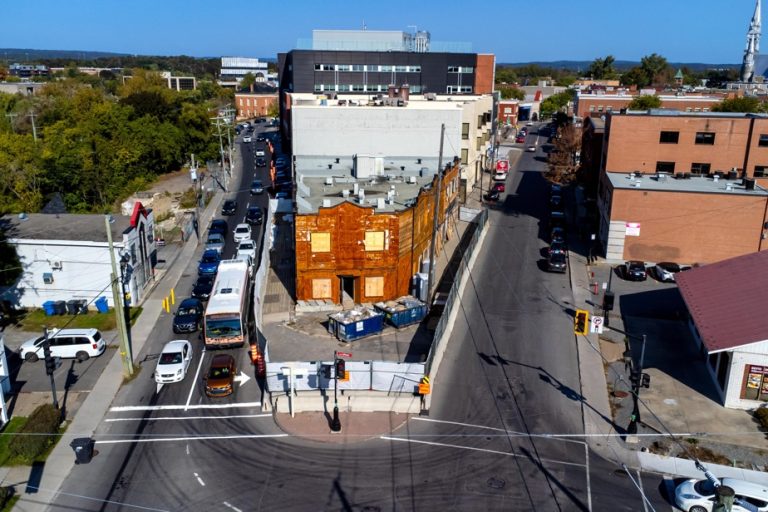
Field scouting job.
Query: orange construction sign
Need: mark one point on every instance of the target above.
(424, 387)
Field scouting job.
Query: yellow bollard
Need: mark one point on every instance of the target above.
(173, 297)
(165, 305)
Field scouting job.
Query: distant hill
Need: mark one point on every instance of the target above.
(577, 65)
(12, 55)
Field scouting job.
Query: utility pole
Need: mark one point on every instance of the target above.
(335, 421)
(34, 128)
(218, 122)
(636, 377)
(125, 349)
(50, 365)
(436, 219)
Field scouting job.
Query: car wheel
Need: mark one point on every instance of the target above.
(175, 330)
(697, 508)
(82, 356)
(31, 357)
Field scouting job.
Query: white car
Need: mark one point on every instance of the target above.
(247, 247)
(500, 176)
(173, 363)
(247, 138)
(260, 152)
(529, 123)
(242, 232)
(79, 344)
(531, 149)
(699, 495)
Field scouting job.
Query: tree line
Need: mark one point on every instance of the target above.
(99, 140)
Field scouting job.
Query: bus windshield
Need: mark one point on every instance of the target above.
(223, 327)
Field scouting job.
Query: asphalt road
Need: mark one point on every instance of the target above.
(503, 432)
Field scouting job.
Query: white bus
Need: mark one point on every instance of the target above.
(227, 315)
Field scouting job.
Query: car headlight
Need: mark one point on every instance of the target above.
(178, 372)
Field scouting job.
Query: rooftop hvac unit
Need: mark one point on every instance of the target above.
(355, 188)
(326, 203)
(361, 196)
(329, 180)
(411, 179)
(56, 265)
(345, 193)
(380, 202)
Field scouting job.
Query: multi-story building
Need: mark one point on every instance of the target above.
(27, 71)
(508, 111)
(599, 102)
(233, 69)
(177, 83)
(256, 102)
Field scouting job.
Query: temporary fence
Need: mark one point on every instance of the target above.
(260, 277)
(386, 376)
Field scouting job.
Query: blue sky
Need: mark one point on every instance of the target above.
(516, 31)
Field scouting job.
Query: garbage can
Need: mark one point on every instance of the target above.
(83, 447)
(48, 308)
(101, 305)
(82, 307)
(60, 307)
(72, 306)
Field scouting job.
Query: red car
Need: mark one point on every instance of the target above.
(498, 187)
(520, 139)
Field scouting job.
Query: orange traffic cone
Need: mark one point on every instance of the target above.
(254, 353)
(261, 366)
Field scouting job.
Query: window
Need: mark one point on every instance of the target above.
(761, 171)
(318, 87)
(599, 108)
(464, 156)
(464, 131)
(401, 69)
(669, 137)
(414, 69)
(668, 167)
(344, 87)
(343, 67)
(453, 69)
(460, 69)
(321, 289)
(358, 87)
(705, 138)
(374, 286)
(591, 108)
(697, 168)
(358, 67)
(374, 240)
(385, 69)
(507, 110)
(763, 140)
(320, 242)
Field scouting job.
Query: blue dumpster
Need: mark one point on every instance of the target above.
(403, 311)
(101, 305)
(355, 323)
(48, 307)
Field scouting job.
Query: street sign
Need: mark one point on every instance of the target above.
(344, 354)
(596, 324)
(502, 165)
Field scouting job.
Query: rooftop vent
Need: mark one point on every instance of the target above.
(380, 202)
(345, 193)
(329, 180)
(326, 203)
(412, 179)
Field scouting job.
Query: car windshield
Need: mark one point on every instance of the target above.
(704, 488)
(558, 257)
(187, 311)
(223, 327)
(256, 183)
(241, 230)
(246, 247)
(214, 240)
(210, 258)
(170, 358)
(219, 372)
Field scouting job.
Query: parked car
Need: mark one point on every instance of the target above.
(500, 176)
(254, 215)
(520, 139)
(218, 226)
(282, 195)
(173, 363)
(493, 196)
(529, 123)
(531, 148)
(215, 241)
(555, 189)
(247, 247)
(556, 202)
(260, 162)
(260, 138)
(209, 263)
(557, 234)
(229, 207)
(634, 270)
(699, 495)
(260, 151)
(499, 187)
(257, 187)
(556, 262)
(79, 344)
(557, 218)
(188, 316)
(666, 270)
(247, 139)
(556, 246)
(203, 287)
(219, 380)
(242, 232)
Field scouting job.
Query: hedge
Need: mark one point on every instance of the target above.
(31, 441)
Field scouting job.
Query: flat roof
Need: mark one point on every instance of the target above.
(64, 226)
(695, 184)
(414, 102)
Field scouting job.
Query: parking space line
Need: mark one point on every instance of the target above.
(642, 490)
(161, 418)
(197, 374)
(589, 485)
(192, 438)
(129, 408)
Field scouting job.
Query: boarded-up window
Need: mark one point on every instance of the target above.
(374, 286)
(321, 242)
(374, 240)
(321, 289)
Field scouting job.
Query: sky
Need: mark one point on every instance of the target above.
(706, 31)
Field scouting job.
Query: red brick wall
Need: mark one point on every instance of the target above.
(616, 103)
(484, 73)
(253, 105)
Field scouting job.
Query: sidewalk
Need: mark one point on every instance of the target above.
(61, 461)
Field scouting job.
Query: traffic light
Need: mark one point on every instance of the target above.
(51, 364)
(646, 380)
(634, 378)
(340, 370)
(608, 299)
(581, 322)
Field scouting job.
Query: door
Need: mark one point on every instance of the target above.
(347, 288)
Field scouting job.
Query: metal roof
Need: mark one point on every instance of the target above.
(64, 227)
(727, 301)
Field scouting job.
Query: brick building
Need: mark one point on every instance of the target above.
(508, 112)
(253, 104)
(600, 102)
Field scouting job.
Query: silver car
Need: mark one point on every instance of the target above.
(215, 241)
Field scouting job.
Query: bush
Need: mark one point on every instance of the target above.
(32, 440)
(6, 493)
(762, 417)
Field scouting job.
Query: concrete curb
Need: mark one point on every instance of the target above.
(687, 468)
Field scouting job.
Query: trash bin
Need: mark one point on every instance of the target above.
(82, 307)
(83, 447)
(48, 307)
(72, 306)
(60, 307)
(101, 305)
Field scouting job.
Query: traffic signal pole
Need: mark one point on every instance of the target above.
(50, 365)
(335, 422)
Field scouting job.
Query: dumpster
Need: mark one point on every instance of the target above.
(60, 307)
(83, 447)
(101, 305)
(355, 323)
(72, 307)
(48, 308)
(402, 311)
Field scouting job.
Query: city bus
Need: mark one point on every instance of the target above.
(227, 315)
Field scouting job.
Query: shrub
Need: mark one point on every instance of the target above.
(6, 493)
(762, 417)
(33, 441)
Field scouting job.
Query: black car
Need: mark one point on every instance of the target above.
(218, 226)
(557, 235)
(556, 202)
(493, 196)
(188, 316)
(260, 138)
(257, 187)
(557, 218)
(635, 270)
(229, 207)
(203, 287)
(254, 216)
(260, 162)
(556, 262)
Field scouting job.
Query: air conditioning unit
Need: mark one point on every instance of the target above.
(47, 278)
(56, 265)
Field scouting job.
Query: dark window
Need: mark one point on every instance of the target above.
(705, 138)
(761, 171)
(697, 168)
(665, 167)
(464, 156)
(465, 131)
(669, 137)
(763, 139)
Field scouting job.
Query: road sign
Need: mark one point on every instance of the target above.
(596, 324)
(344, 354)
(502, 165)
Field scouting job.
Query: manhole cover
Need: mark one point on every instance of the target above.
(496, 483)
(271, 298)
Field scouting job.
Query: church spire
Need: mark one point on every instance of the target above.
(753, 46)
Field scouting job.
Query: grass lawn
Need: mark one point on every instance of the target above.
(35, 320)
(9, 506)
(14, 425)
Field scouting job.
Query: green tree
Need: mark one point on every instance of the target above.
(505, 75)
(555, 103)
(248, 80)
(512, 93)
(561, 162)
(21, 175)
(635, 76)
(602, 68)
(644, 102)
(656, 68)
(273, 110)
(745, 104)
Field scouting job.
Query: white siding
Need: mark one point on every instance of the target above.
(755, 354)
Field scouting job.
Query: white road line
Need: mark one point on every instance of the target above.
(560, 437)
(640, 483)
(589, 485)
(485, 450)
(199, 480)
(231, 506)
(197, 438)
(161, 418)
(187, 449)
(133, 408)
(197, 374)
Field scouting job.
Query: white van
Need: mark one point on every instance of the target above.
(66, 343)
